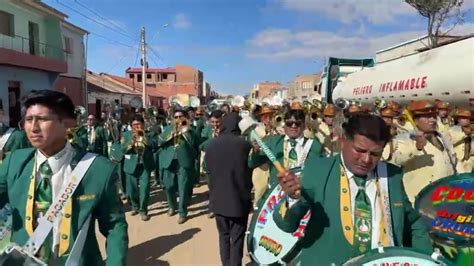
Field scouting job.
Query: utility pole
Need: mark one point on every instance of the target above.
(144, 67)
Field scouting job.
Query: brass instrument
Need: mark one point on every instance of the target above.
(181, 126)
(278, 121)
(70, 136)
(342, 103)
(380, 104)
(139, 141)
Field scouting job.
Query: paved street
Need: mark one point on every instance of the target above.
(162, 241)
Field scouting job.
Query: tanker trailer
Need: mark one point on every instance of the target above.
(444, 73)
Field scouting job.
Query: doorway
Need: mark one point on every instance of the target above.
(14, 105)
(33, 35)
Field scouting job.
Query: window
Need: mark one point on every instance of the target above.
(306, 85)
(139, 78)
(68, 45)
(132, 76)
(148, 76)
(6, 24)
(165, 76)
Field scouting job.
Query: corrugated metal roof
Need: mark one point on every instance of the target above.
(104, 82)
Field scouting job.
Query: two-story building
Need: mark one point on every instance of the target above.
(304, 86)
(72, 82)
(181, 79)
(31, 51)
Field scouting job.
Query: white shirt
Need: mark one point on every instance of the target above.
(299, 147)
(372, 194)
(60, 164)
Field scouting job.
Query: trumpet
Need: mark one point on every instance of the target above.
(70, 134)
(278, 120)
(342, 103)
(139, 140)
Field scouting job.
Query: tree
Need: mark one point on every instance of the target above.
(439, 13)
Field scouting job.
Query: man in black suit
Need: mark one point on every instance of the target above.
(230, 186)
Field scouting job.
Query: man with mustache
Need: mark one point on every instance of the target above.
(33, 179)
(356, 201)
(425, 155)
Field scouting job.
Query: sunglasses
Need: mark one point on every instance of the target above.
(290, 123)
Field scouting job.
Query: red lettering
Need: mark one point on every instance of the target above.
(469, 196)
(395, 86)
(370, 89)
(354, 91)
(262, 218)
(412, 84)
(423, 82)
(271, 203)
(407, 84)
(439, 194)
(455, 194)
(400, 85)
(418, 83)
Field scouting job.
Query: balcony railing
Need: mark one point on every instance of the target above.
(32, 47)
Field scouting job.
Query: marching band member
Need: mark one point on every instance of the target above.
(290, 149)
(426, 155)
(443, 120)
(48, 114)
(325, 131)
(349, 195)
(11, 139)
(261, 174)
(178, 154)
(388, 115)
(96, 137)
(138, 163)
(400, 122)
(463, 140)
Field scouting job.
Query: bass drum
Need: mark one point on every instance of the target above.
(396, 256)
(266, 243)
(447, 209)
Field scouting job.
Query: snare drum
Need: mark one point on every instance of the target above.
(397, 256)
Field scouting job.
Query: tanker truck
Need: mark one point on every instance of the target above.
(445, 73)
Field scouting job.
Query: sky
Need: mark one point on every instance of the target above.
(238, 43)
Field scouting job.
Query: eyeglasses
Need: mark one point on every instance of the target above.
(290, 123)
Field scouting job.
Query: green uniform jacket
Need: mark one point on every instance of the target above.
(17, 139)
(324, 241)
(200, 125)
(275, 144)
(130, 160)
(206, 136)
(186, 152)
(96, 195)
(100, 144)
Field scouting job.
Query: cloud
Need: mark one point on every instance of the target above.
(283, 44)
(181, 21)
(348, 11)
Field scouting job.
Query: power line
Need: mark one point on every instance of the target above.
(100, 16)
(121, 59)
(110, 40)
(94, 20)
(156, 55)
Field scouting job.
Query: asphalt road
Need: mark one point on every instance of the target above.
(162, 241)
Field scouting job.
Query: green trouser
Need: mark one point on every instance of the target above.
(178, 179)
(138, 189)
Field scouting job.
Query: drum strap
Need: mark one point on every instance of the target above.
(383, 206)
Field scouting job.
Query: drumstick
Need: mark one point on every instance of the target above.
(270, 155)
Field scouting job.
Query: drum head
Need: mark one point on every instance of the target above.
(266, 242)
(395, 256)
(447, 209)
